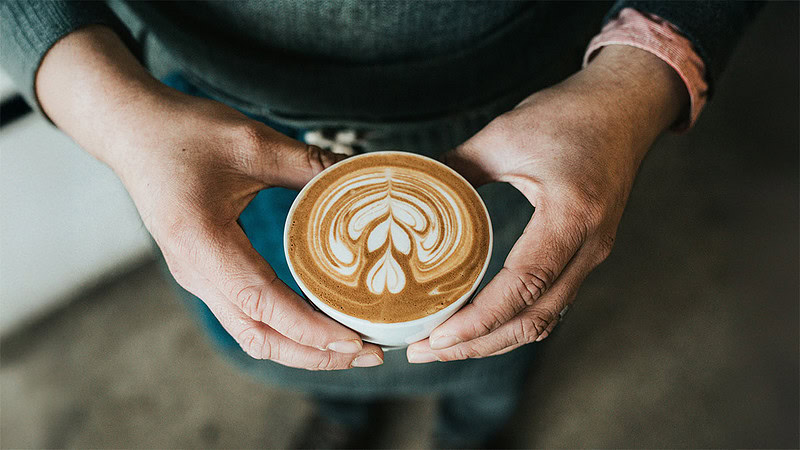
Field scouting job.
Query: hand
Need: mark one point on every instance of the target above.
(190, 182)
(191, 166)
(573, 150)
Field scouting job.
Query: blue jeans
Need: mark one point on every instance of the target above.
(478, 396)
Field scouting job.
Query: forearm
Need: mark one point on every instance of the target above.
(649, 93)
(92, 87)
(639, 93)
(622, 101)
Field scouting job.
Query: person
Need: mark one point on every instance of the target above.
(253, 96)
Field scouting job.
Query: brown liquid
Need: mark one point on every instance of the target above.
(389, 237)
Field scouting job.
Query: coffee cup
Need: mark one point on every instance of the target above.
(390, 244)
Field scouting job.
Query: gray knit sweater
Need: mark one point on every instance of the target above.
(368, 60)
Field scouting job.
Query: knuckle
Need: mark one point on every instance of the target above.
(254, 302)
(181, 238)
(177, 234)
(604, 246)
(596, 219)
(530, 328)
(249, 135)
(592, 209)
(250, 149)
(490, 319)
(255, 343)
(316, 158)
(325, 362)
(579, 196)
(529, 284)
(584, 205)
(301, 334)
(536, 323)
(549, 329)
(453, 355)
(521, 332)
(460, 352)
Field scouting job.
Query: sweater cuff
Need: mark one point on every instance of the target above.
(659, 37)
(31, 28)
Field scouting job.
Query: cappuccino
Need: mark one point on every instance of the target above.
(388, 237)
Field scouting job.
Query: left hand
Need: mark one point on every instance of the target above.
(573, 150)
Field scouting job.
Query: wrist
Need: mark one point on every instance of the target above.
(638, 90)
(610, 113)
(93, 88)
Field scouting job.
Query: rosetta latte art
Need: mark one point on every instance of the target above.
(404, 217)
(388, 237)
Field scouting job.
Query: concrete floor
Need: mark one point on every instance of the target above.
(686, 337)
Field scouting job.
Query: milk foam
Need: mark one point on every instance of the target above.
(395, 226)
(402, 212)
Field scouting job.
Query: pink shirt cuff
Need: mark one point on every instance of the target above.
(659, 37)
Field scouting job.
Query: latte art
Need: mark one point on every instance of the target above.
(389, 241)
(402, 214)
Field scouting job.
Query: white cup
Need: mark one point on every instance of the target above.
(396, 334)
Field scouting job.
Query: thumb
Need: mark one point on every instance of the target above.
(283, 161)
(478, 159)
(468, 162)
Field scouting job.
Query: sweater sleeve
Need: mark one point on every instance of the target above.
(713, 27)
(29, 28)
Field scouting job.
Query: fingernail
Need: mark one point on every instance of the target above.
(422, 357)
(367, 360)
(445, 341)
(351, 346)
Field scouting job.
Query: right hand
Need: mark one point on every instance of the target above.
(191, 166)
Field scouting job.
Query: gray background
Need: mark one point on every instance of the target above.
(686, 337)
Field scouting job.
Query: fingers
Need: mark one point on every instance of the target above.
(525, 328)
(262, 342)
(534, 323)
(282, 161)
(533, 265)
(224, 257)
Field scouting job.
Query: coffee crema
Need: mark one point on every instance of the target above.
(388, 237)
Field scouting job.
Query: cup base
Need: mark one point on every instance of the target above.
(390, 348)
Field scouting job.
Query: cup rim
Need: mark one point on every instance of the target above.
(357, 320)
